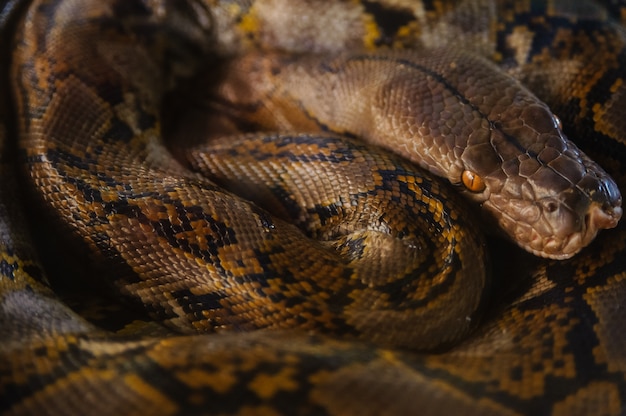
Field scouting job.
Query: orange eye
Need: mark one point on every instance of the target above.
(472, 181)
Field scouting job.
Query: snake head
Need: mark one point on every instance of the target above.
(545, 194)
(557, 213)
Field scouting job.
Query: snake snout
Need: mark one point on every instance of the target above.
(605, 216)
(605, 209)
(559, 226)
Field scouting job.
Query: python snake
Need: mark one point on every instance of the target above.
(289, 327)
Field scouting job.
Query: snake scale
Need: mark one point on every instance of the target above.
(133, 281)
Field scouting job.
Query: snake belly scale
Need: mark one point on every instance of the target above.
(248, 313)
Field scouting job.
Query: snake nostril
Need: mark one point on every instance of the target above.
(551, 206)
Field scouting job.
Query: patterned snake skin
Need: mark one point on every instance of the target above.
(126, 124)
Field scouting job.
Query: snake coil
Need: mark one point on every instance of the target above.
(294, 303)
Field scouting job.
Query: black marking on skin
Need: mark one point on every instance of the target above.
(59, 158)
(324, 212)
(293, 301)
(615, 9)
(117, 268)
(429, 5)
(355, 246)
(337, 154)
(67, 362)
(122, 207)
(41, 351)
(390, 177)
(289, 204)
(33, 113)
(49, 10)
(388, 20)
(545, 30)
(230, 400)
(158, 312)
(601, 91)
(581, 338)
(396, 289)
(115, 26)
(35, 272)
(132, 8)
(91, 194)
(195, 304)
(302, 139)
(146, 121)
(264, 217)
(111, 93)
(264, 258)
(286, 279)
(8, 269)
(164, 380)
(101, 240)
(110, 181)
(334, 157)
(120, 130)
(277, 298)
(275, 70)
(222, 234)
(335, 302)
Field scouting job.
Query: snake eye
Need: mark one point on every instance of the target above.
(557, 122)
(472, 181)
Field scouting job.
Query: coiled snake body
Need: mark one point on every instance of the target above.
(248, 313)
